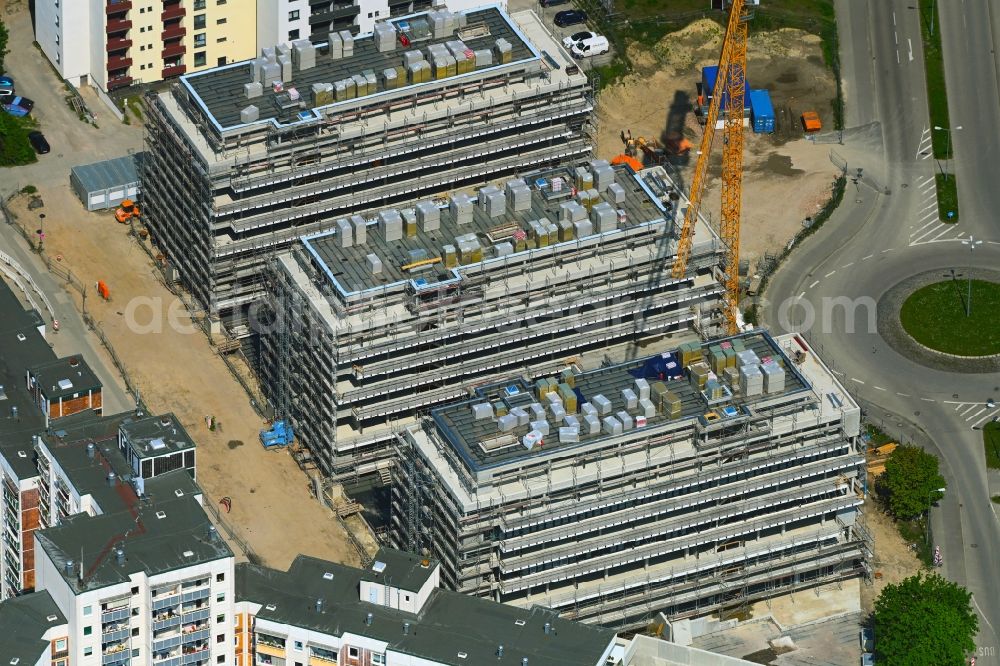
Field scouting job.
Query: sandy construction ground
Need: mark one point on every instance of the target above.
(786, 177)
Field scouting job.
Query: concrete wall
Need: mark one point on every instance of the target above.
(649, 651)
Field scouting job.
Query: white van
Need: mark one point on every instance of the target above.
(593, 46)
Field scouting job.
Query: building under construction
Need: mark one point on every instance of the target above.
(691, 482)
(246, 158)
(382, 318)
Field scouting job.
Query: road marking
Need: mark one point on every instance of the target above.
(801, 295)
(984, 419)
(905, 395)
(889, 250)
(897, 57)
(867, 258)
(910, 47)
(895, 36)
(956, 402)
(894, 19)
(976, 415)
(926, 180)
(928, 399)
(837, 372)
(968, 409)
(857, 381)
(924, 189)
(878, 388)
(814, 284)
(926, 157)
(830, 273)
(919, 239)
(848, 265)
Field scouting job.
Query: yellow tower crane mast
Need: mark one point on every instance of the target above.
(731, 82)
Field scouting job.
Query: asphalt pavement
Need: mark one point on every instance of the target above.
(876, 240)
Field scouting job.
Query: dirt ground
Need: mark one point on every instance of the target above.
(893, 561)
(786, 177)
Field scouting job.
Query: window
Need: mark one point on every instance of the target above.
(221, 638)
(135, 631)
(199, 40)
(298, 645)
(220, 577)
(142, 29)
(293, 15)
(199, 4)
(222, 595)
(135, 652)
(61, 645)
(352, 652)
(142, 10)
(87, 651)
(221, 61)
(220, 618)
(87, 631)
(293, 35)
(87, 610)
(378, 659)
(221, 659)
(222, 21)
(199, 61)
(220, 2)
(199, 21)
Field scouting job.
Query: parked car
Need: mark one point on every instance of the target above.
(589, 48)
(570, 17)
(38, 142)
(6, 91)
(6, 82)
(552, 3)
(568, 42)
(17, 106)
(867, 637)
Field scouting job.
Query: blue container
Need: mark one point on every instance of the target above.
(708, 78)
(761, 112)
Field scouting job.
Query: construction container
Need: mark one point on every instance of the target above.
(492, 201)
(640, 421)
(558, 411)
(484, 58)
(602, 404)
(630, 399)
(411, 57)
(717, 358)
(345, 232)
(521, 414)
(611, 426)
(671, 405)
(249, 114)
(747, 357)
(568, 377)
(708, 77)
(465, 62)
(626, 420)
(536, 411)
(647, 408)
(428, 216)
(390, 224)
(566, 230)
(253, 90)
(616, 193)
(460, 206)
(583, 228)
(360, 229)
(604, 217)
(344, 89)
(385, 36)
(518, 195)
(360, 84)
(500, 408)
(322, 94)
(469, 250)
(439, 64)
(657, 393)
(584, 179)
(569, 434)
(542, 426)
(571, 421)
(568, 396)
(303, 54)
(348, 40)
(774, 377)
(270, 73)
(690, 352)
(532, 439)
(374, 264)
(592, 423)
(390, 79)
(409, 216)
(503, 249)
(504, 51)
(714, 390)
(553, 231)
(603, 177)
(732, 376)
(731, 357)
(542, 388)
(642, 389)
(507, 422)
(588, 408)
(449, 255)
(336, 45)
(482, 410)
(538, 233)
(761, 112)
(738, 345)
(700, 373)
(285, 63)
(751, 380)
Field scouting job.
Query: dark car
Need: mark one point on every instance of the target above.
(570, 17)
(16, 106)
(38, 142)
(552, 3)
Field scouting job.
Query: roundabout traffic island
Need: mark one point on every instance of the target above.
(926, 318)
(955, 317)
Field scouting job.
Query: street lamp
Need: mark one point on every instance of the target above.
(968, 301)
(41, 232)
(949, 130)
(927, 538)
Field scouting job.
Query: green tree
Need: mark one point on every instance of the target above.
(924, 621)
(15, 149)
(910, 482)
(4, 36)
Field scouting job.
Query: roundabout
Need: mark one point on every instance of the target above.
(955, 317)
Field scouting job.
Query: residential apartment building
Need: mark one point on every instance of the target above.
(35, 632)
(112, 44)
(393, 614)
(691, 482)
(243, 160)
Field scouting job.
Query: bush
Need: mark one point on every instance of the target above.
(15, 149)
(4, 36)
(29, 189)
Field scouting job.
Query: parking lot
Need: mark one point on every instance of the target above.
(548, 16)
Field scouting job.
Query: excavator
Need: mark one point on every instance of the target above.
(127, 210)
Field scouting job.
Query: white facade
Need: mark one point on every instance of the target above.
(63, 31)
(131, 617)
(278, 21)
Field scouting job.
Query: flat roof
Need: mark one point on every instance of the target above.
(165, 530)
(220, 94)
(155, 436)
(65, 377)
(481, 444)
(349, 272)
(450, 623)
(403, 570)
(27, 619)
(117, 172)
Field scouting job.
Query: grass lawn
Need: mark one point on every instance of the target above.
(915, 531)
(876, 437)
(947, 196)
(935, 317)
(991, 441)
(934, 69)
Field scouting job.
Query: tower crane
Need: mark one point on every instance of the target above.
(730, 82)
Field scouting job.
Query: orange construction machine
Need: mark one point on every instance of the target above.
(127, 209)
(811, 122)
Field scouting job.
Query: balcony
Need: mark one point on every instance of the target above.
(116, 636)
(173, 31)
(200, 634)
(167, 602)
(118, 25)
(191, 616)
(173, 12)
(166, 644)
(173, 70)
(117, 655)
(118, 43)
(115, 615)
(166, 622)
(271, 650)
(172, 50)
(118, 62)
(191, 655)
(115, 6)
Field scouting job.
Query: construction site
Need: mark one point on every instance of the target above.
(244, 159)
(691, 482)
